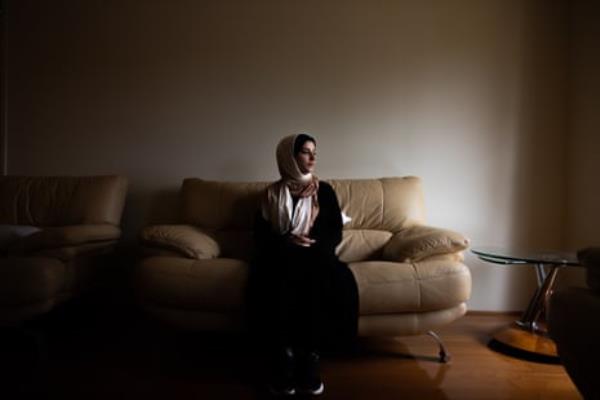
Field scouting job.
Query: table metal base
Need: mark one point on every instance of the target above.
(531, 342)
(526, 337)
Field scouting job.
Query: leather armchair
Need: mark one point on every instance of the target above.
(53, 230)
(573, 324)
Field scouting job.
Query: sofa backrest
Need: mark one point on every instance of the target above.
(387, 204)
(378, 208)
(65, 200)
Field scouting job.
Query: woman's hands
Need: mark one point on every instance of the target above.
(302, 240)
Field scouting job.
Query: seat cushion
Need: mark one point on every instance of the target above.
(208, 285)
(391, 287)
(218, 285)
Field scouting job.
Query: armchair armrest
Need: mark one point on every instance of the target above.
(420, 241)
(590, 258)
(68, 236)
(185, 239)
(70, 252)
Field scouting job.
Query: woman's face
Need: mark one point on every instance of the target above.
(306, 158)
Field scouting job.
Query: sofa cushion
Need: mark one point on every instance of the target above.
(236, 243)
(63, 200)
(215, 205)
(186, 239)
(420, 241)
(9, 234)
(362, 244)
(356, 245)
(210, 285)
(389, 287)
(388, 204)
(218, 285)
(68, 253)
(72, 235)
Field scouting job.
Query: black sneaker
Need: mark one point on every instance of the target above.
(282, 389)
(283, 373)
(309, 378)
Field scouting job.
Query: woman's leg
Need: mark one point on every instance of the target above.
(313, 284)
(280, 304)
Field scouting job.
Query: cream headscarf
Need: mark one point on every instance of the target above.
(278, 206)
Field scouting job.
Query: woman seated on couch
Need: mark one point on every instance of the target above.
(302, 296)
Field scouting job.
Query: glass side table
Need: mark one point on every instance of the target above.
(526, 334)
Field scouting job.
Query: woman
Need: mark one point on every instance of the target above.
(302, 295)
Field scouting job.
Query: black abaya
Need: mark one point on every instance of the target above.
(303, 296)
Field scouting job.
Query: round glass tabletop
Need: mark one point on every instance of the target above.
(505, 255)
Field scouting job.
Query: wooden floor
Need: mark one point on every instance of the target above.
(130, 358)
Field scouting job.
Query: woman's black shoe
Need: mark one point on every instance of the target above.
(309, 377)
(282, 383)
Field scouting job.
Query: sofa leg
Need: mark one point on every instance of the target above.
(444, 355)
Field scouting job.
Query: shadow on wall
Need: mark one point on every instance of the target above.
(146, 207)
(539, 170)
(539, 173)
(531, 172)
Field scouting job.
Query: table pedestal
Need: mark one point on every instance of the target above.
(536, 343)
(526, 334)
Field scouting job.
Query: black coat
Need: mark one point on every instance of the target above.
(303, 294)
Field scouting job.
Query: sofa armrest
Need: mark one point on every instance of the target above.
(185, 239)
(67, 236)
(68, 253)
(420, 241)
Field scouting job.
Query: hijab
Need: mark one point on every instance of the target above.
(278, 205)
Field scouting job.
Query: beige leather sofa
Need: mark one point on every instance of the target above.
(52, 229)
(410, 277)
(574, 325)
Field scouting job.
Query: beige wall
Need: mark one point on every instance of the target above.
(468, 94)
